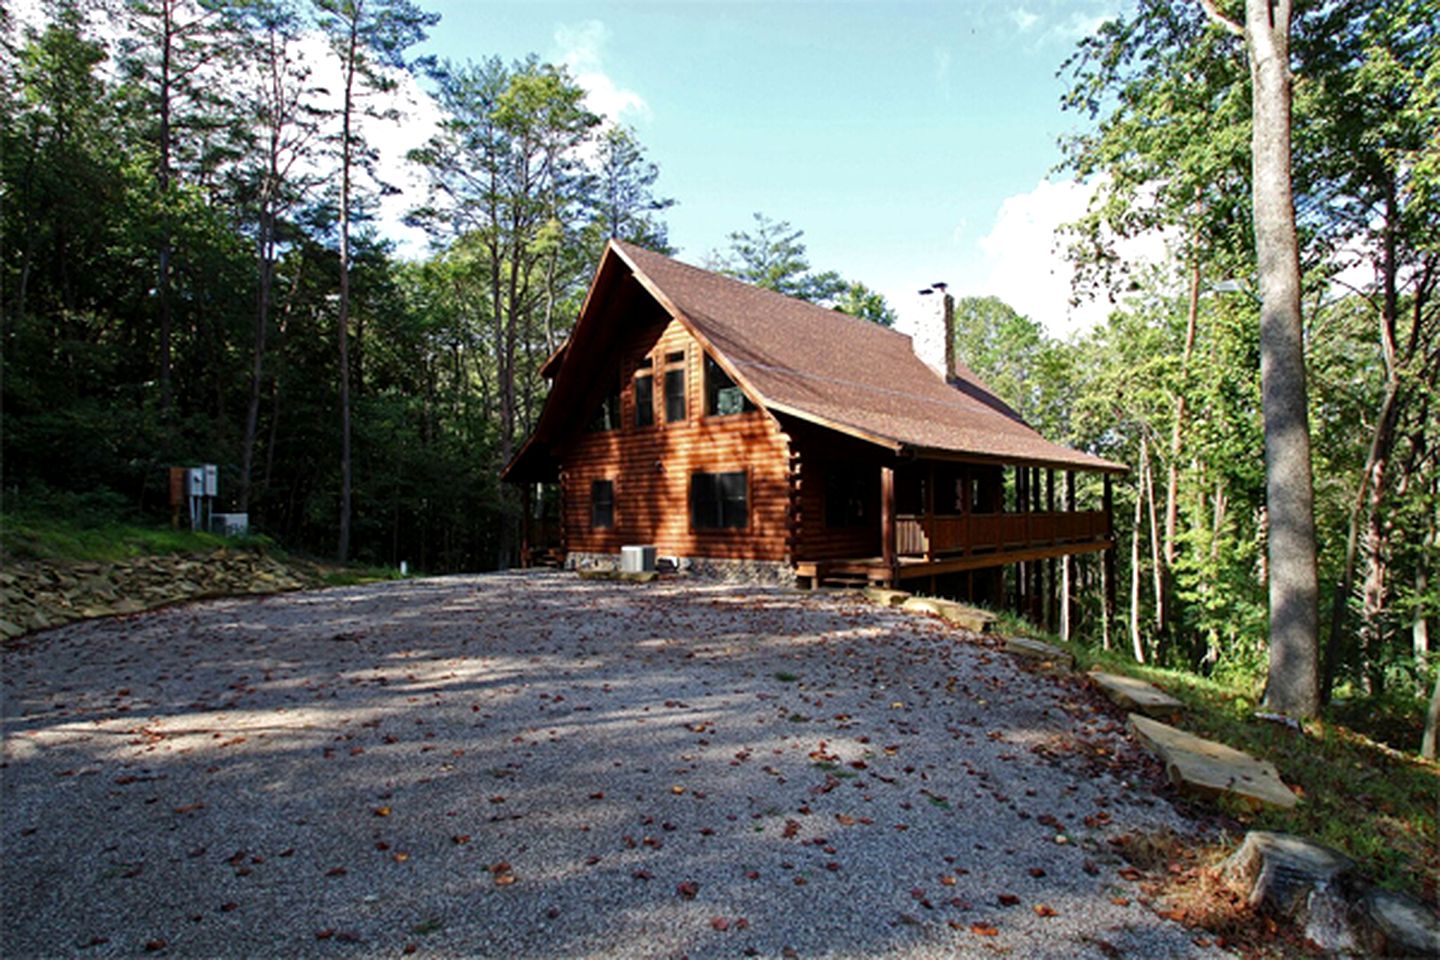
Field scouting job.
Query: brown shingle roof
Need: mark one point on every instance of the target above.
(842, 372)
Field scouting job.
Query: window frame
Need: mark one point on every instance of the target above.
(597, 485)
(713, 372)
(644, 411)
(676, 368)
(714, 482)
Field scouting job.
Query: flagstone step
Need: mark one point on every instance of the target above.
(968, 618)
(1137, 695)
(1043, 654)
(1208, 769)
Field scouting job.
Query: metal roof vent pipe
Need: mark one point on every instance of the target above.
(933, 336)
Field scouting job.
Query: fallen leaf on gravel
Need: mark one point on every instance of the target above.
(677, 790)
(1130, 873)
(688, 889)
(1008, 899)
(401, 856)
(948, 881)
(1043, 910)
(229, 907)
(1037, 872)
(190, 808)
(983, 930)
(641, 874)
(336, 872)
(154, 945)
(460, 839)
(325, 934)
(720, 924)
(382, 811)
(1120, 901)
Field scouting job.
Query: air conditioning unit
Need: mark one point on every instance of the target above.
(230, 524)
(637, 559)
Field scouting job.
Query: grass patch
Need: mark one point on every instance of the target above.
(1373, 803)
(80, 539)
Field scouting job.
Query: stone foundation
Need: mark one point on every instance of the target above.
(768, 573)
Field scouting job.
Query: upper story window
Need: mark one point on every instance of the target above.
(675, 386)
(722, 396)
(644, 399)
(608, 416)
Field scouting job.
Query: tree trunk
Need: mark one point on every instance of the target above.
(1137, 644)
(342, 550)
(1432, 722)
(1293, 682)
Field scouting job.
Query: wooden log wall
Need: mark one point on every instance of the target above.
(651, 466)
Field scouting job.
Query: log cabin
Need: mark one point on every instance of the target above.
(739, 430)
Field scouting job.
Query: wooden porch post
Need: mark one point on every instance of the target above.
(1107, 569)
(887, 521)
(930, 512)
(527, 496)
(1051, 583)
(1067, 568)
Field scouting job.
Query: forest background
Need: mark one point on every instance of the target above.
(192, 272)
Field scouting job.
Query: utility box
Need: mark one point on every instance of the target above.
(637, 559)
(230, 524)
(212, 480)
(197, 481)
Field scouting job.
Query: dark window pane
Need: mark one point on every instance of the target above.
(851, 496)
(644, 401)
(722, 396)
(719, 500)
(602, 504)
(675, 356)
(608, 416)
(674, 395)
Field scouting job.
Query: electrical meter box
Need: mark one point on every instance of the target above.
(212, 480)
(196, 486)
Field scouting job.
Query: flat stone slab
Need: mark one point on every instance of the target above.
(630, 576)
(1209, 769)
(886, 597)
(957, 613)
(1399, 926)
(1137, 695)
(1045, 654)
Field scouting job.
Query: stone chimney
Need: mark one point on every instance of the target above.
(933, 336)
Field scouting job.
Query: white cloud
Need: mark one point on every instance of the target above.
(580, 51)
(1023, 261)
(1024, 19)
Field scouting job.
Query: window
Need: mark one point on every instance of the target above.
(722, 396)
(850, 496)
(602, 504)
(608, 416)
(644, 400)
(718, 501)
(675, 386)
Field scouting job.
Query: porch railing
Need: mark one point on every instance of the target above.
(989, 532)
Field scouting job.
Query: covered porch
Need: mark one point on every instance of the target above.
(947, 526)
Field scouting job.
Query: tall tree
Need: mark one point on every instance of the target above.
(1294, 678)
(369, 39)
(285, 127)
(176, 52)
(771, 255)
(625, 200)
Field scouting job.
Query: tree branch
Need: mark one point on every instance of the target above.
(1220, 20)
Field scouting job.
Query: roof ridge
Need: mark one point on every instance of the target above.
(752, 289)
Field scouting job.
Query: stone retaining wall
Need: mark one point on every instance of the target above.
(35, 595)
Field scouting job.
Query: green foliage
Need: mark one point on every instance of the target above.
(772, 256)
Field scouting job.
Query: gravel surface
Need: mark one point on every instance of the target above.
(531, 765)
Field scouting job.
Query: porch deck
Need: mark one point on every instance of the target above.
(935, 545)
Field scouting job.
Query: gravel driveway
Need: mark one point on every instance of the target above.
(531, 765)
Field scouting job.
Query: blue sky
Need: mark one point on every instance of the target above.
(913, 141)
(909, 140)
